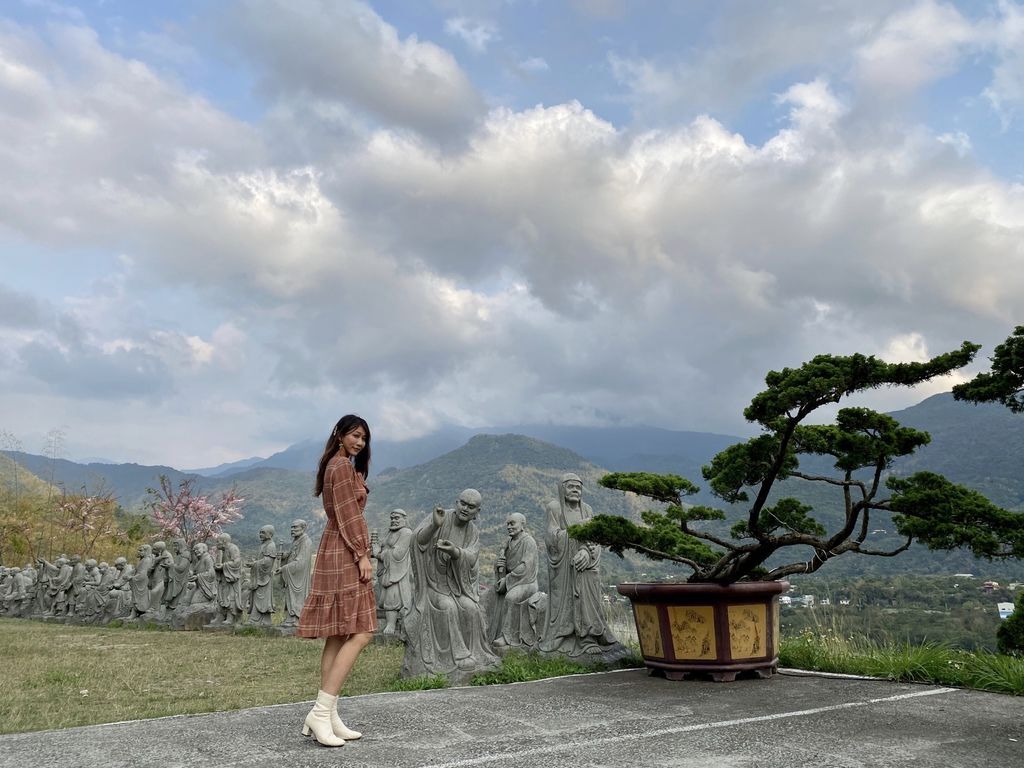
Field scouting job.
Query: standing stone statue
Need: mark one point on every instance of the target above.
(295, 571)
(77, 584)
(262, 587)
(158, 577)
(60, 583)
(30, 577)
(228, 566)
(205, 592)
(91, 601)
(177, 565)
(140, 581)
(575, 625)
(394, 572)
(445, 627)
(515, 614)
(45, 573)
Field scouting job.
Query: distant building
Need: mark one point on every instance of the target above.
(844, 601)
(825, 601)
(963, 575)
(1005, 609)
(988, 586)
(785, 600)
(808, 601)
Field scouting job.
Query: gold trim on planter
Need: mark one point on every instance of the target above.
(648, 628)
(747, 631)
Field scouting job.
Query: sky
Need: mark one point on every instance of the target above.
(224, 225)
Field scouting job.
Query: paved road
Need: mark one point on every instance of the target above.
(611, 719)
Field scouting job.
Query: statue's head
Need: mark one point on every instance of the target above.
(223, 539)
(515, 523)
(298, 528)
(104, 567)
(397, 519)
(180, 546)
(120, 563)
(90, 563)
(571, 487)
(468, 505)
(266, 533)
(159, 547)
(145, 551)
(199, 549)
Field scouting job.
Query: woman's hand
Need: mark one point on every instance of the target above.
(365, 568)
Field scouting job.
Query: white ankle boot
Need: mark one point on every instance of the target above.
(318, 721)
(340, 729)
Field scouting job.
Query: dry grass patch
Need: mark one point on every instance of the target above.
(57, 676)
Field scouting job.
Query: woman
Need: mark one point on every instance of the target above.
(340, 606)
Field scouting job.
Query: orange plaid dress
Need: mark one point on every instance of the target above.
(338, 603)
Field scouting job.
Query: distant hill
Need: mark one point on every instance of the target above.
(227, 469)
(128, 482)
(979, 446)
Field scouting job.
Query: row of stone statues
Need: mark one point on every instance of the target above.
(166, 583)
(427, 580)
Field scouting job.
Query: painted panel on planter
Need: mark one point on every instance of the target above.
(747, 631)
(693, 631)
(649, 631)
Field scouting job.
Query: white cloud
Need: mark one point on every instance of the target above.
(534, 64)
(915, 47)
(345, 52)
(340, 254)
(474, 33)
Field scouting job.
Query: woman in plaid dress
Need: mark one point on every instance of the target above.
(340, 606)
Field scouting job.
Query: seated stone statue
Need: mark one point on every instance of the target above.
(91, 601)
(575, 625)
(514, 624)
(262, 568)
(394, 572)
(295, 569)
(446, 625)
(119, 601)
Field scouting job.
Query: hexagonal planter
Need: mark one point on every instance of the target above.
(685, 629)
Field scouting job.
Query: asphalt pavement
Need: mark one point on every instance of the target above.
(610, 719)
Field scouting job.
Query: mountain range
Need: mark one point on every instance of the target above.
(980, 446)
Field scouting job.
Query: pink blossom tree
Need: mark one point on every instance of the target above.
(185, 513)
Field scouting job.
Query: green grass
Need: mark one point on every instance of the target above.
(519, 667)
(59, 675)
(924, 663)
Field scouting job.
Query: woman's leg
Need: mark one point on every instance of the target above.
(339, 656)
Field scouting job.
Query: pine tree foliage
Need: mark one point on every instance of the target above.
(861, 446)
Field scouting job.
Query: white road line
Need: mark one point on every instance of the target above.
(562, 746)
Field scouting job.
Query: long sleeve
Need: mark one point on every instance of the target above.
(344, 498)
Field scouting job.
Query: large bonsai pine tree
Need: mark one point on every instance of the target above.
(861, 444)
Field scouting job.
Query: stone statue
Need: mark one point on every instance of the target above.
(228, 566)
(445, 627)
(44, 574)
(262, 611)
(514, 624)
(575, 624)
(91, 601)
(30, 578)
(140, 581)
(394, 572)
(204, 578)
(77, 579)
(295, 571)
(178, 565)
(119, 601)
(158, 577)
(60, 583)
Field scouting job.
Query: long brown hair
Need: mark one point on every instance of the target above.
(345, 425)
